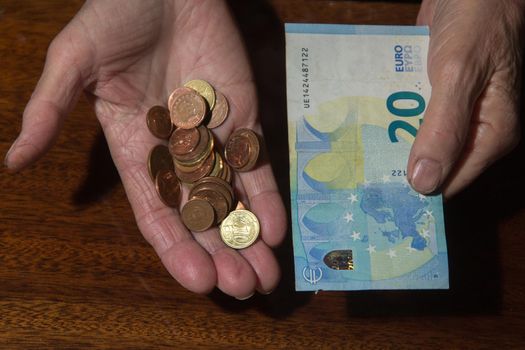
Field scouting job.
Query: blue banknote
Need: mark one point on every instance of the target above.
(356, 98)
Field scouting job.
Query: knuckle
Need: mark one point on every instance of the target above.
(447, 137)
(448, 70)
(58, 50)
(69, 50)
(456, 74)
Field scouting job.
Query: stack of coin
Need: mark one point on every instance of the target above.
(195, 157)
(242, 149)
(192, 158)
(218, 193)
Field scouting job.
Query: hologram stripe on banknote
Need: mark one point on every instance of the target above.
(356, 97)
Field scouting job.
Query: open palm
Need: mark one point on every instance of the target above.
(129, 56)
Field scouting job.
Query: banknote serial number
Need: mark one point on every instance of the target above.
(305, 77)
(399, 172)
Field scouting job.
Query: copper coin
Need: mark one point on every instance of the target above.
(217, 180)
(188, 110)
(159, 159)
(199, 157)
(198, 215)
(176, 93)
(219, 112)
(217, 184)
(216, 199)
(159, 122)
(168, 187)
(203, 144)
(184, 141)
(201, 171)
(242, 149)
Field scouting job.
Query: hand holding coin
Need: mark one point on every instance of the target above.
(131, 72)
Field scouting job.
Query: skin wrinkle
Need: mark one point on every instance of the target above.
(57, 58)
(188, 269)
(156, 214)
(37, 150)
(249, 111)
(105, 88)
(139, 41)
(451, 134)
(258, 182)
(209, 240)
(258, 259)
(237, 266)
(77, 60)
(159, 242)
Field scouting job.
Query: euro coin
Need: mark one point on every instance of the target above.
(198, 215)
(159, 122)
(188, 110)
(159, 159)
(183, 141)
(220, 112)
(242, 149)
(204, 89)
(240, 229)
(168, 187)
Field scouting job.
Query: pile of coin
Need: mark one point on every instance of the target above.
(242, 149)
(193, 158)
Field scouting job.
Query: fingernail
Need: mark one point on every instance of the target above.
(268, 292)
(9, 152)
(245, 298)
(427, 174)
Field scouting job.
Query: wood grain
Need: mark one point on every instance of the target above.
(76, 273)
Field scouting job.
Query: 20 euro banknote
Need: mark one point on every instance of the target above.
(356, 98)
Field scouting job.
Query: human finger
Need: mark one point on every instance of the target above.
(495, 132)
(235, 275)
(65, 72)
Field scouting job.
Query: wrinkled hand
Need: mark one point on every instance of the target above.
(128, 56)
(474, 66)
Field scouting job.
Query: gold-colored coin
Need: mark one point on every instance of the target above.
(205, 89)
(240, 229)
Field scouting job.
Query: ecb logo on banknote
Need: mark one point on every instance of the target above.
(356, 222)
(312, 275)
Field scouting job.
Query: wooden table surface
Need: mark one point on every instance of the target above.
(75, 272)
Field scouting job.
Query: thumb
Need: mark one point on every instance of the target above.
(457, 80)
(53, 98)
(426, 13)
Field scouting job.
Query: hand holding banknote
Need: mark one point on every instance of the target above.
(128, 56)
(474, 66)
